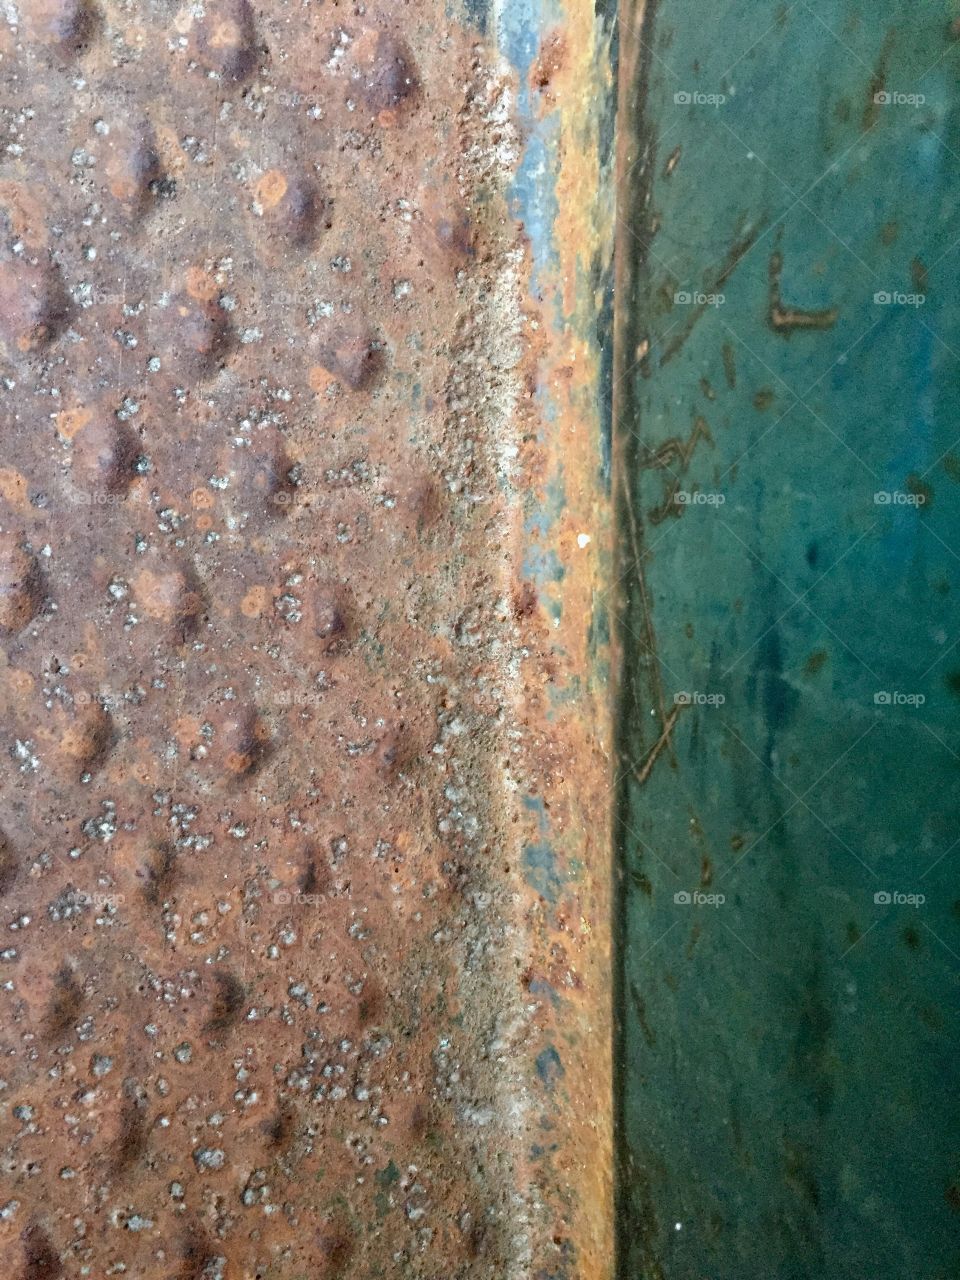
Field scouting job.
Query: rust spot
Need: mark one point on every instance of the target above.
(130, 1142)
(40, 1260)
(225, 39)
(104, 454)
(388, 74)
(172, 596)
(132, 164)
(64, 1004)
(20, 587)
(8, 866)
(160, 874)
(352, 356)
(549, 61)
(227, 1004)
(199, 332)
(33, 305)
(68, 25)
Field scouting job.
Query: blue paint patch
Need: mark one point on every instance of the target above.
(543, 567)
(533, 197)
(540, 987)
(535, 805)
(549, 1067)
(540, 864)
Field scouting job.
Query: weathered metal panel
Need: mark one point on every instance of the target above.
(787, 468)
(305, 857)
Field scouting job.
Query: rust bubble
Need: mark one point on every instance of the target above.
(241, 740)
(225, 40)
(87, 737)
(198, 334)
(262, 475)
(67, 24)
(330, 614)
(388, 72)
(132, 165)
(299, 214)
(20, 590)
(33, 305)
(104, 454)
(353, 356)
(172, 597)
(41, 1261)
(8, 865)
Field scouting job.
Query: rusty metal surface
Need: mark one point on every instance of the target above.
(305, 954)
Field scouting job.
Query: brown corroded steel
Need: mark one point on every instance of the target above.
(303, 839)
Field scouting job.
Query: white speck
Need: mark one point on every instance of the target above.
(583, 540)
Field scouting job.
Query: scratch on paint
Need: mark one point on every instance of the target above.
(645, 770)
(650, 635)
(784, 319)
(730, 263)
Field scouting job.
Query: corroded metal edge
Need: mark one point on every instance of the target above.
(564, 61)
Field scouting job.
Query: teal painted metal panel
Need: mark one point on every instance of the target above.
(790, 450)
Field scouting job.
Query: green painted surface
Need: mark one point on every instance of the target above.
(788, 1054)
